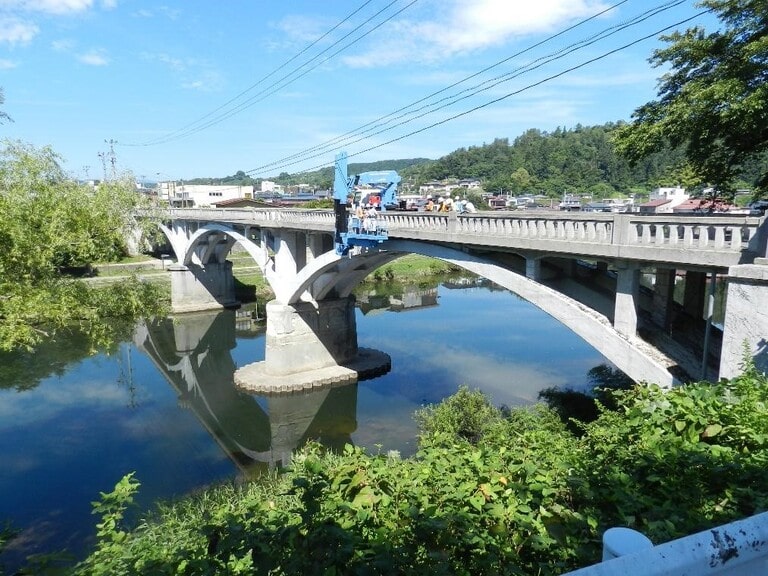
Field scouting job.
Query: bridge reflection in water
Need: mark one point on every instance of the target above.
(194, 353)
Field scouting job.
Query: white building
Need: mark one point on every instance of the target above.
(675, 195)
(269, 186)
(202, 195)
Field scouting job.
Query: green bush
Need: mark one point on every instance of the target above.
(487, 492)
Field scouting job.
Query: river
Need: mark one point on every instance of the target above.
(163, 404)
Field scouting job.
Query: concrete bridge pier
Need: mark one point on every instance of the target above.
(627, 298)
(318, 244)
(209, 287)
(663, 297)
(745, 329)
(533, 268)
(290, 252)
(311, 345)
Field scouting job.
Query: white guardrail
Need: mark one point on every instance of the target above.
(736, 549)
(725, 235)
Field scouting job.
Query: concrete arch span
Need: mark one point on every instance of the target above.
(332, 274)
(197, 248)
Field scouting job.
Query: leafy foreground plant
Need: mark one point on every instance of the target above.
(510, 492)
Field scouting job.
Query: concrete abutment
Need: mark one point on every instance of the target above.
(746, 319)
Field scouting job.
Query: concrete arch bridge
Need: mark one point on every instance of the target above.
(583, 269)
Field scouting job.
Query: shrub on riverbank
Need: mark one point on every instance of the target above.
(489, 491)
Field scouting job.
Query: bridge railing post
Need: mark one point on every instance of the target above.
(621, 228)
(453, 222)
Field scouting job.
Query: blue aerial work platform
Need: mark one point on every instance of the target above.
(352, 231)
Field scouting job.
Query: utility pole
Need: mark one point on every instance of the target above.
(103, 164)
(112, 157)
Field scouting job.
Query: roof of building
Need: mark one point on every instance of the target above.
(655, 203)
(703, 205)
(238, 203)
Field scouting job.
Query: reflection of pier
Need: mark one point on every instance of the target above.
(193, 353)
(410, 299)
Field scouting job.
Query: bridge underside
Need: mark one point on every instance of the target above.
(608, 314)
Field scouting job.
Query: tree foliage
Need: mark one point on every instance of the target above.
(580, 160)
(3, 115)
(488, 491)
(52, 225)
(713, 103)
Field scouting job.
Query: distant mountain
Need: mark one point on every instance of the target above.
(396, 165)
(321, 179)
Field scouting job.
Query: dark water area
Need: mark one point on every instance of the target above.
(164, 405)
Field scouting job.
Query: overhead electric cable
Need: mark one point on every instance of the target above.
(331, 143)
(496, 81)
(268, 91)
(508, 95)
(513, 93)
(263, 78)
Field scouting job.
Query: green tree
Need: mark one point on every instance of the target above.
(3, 116)
(51, 225)
(521, 180)
(714, 100)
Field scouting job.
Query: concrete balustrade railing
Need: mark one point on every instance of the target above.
(691, 239)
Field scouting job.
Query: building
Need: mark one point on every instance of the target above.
(664, 200)
(272, 187)
(182, 195)
(661, 206)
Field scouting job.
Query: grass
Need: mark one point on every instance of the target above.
(250, 284)
(413, 266)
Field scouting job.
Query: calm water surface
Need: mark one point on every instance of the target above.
(164, 405)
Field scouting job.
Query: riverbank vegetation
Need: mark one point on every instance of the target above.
(413, 268)
(52, 229)
(489, 491)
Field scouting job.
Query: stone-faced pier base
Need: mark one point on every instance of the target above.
(195, 288)
(311, 345)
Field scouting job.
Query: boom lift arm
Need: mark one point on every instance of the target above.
(349, 230)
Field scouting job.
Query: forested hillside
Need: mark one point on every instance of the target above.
(579, 160)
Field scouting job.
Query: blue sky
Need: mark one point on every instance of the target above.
(194, 88)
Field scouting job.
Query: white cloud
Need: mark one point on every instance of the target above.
(47, 6)
(301, 28)
(193, 73)
(54, 396)
(6, 64)
(62, 45)
(461, 26)
(94, 58)
(206, 81)
(476, 24)
(15, 31)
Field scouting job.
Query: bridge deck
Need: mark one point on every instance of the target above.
(690, 241)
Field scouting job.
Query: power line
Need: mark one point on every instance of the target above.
(483, 86)
(263, 78)
(508, 95)
(339, 139)
(268, 91)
